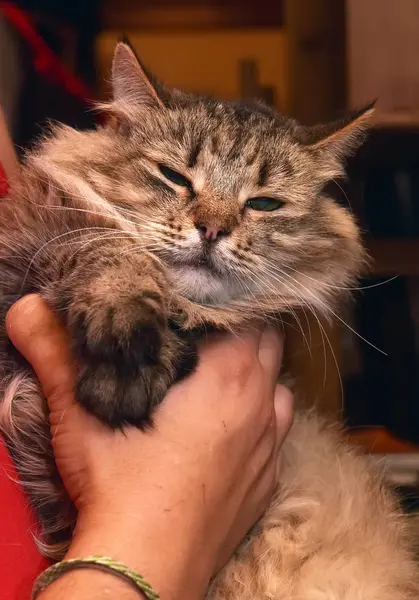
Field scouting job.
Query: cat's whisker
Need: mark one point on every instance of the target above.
(289, 307)
(144, 224)
(323, 336)
(111, 213)
(112, 234)
(81, 210)
(105, 237)
(138, 218)
(108, 233)
(260, 285)
(328, 309)
(144, 250)
(293, 313)
(254, 297)
(344, 288)
(248, 291)
(80, 231)
(146, 246)
(335, 181)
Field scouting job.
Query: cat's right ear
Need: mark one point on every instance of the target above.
(130, 84)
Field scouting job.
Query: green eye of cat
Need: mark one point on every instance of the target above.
(174, 176)
(266, 204)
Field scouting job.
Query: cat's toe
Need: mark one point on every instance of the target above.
(118, 398)
(119, 337)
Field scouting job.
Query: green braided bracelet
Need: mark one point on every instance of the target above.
(102, 563)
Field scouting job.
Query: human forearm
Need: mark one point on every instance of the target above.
(150, 545)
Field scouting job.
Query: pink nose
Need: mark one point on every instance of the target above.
(210, 233)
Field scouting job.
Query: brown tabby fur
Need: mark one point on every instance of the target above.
(118, 251)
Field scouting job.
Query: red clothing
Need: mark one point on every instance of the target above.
(4, 184)
(20, 560)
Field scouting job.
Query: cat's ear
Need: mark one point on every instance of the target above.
(342, 137)
(130, 83)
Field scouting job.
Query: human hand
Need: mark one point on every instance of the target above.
(195, 483)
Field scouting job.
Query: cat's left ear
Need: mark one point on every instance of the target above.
(130, 83)
(342, 137)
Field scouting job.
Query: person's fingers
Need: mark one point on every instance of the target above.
(271, 347)
(250, 336)
(262, 492)
(35, 332)
(283, 403)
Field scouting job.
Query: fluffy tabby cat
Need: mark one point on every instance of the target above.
(182, 213)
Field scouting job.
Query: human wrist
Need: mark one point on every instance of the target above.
(154, 543)
(89, 584)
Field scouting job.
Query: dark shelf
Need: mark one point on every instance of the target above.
(190, 15)
(401, 119)
(396, 256)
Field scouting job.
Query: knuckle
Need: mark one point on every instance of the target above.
(243, 371)
(240, 367)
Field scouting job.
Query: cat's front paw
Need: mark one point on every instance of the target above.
(118, 398)
(124, 331)
(126, 351)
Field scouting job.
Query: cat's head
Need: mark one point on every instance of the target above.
(228, 194)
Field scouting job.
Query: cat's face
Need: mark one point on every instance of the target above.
(228, 195)
(231, 202)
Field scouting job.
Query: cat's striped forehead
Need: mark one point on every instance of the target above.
(226, 146)
(235, 132)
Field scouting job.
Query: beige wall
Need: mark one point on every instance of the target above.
(207, 62)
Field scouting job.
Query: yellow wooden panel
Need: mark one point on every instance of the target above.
(206, 62)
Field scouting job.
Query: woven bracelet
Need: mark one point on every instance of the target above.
(102, 563)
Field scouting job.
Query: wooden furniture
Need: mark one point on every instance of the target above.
(316, 58)
(397, 256)
(297, 45)
(207, 61)
(382, 57)
(190, 15)
(383, 49)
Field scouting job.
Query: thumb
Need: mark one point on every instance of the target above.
(42, 340)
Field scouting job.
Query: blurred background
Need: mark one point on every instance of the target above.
(311, 59)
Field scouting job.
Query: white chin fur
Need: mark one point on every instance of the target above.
(200, 285)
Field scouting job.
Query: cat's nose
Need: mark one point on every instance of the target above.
(210, 232)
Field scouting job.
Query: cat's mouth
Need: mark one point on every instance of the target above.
(204, 261)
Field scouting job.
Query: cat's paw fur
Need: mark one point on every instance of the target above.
(118, 398)
(119, 325)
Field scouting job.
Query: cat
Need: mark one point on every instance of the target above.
(179, 214)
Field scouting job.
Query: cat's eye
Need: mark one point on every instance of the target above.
(265, 204)
(174, 176)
